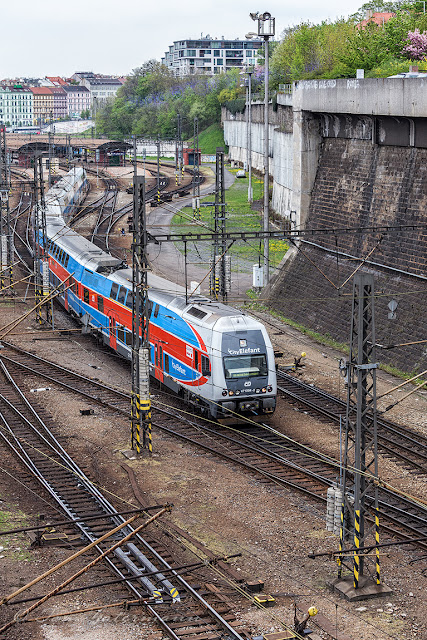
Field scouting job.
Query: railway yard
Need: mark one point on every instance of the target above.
(243, 504)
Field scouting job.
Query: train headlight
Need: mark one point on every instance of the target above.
(224, 393)
(231, 393)
(269, 388)
(237, 393)
(264, 390)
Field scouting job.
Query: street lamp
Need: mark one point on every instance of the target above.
(266, 29)
(248, 84)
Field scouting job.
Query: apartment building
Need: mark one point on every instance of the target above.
(16, 106)
(102, 88)
(210, 56)
(59, 103)
(78, 99)
(42, 105)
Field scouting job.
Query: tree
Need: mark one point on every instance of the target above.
(377, 7)
(416, 49)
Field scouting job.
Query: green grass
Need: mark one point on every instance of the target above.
(239, 217)
(210, 139)
(15, 544)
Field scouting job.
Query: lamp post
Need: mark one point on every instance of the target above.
(266, 29)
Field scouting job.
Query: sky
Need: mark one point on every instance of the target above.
(50, 38)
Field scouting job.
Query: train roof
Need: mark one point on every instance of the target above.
(198, 309)
(87, 253)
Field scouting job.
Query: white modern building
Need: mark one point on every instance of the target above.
(16, 106)
(210, 56)
(102, 88)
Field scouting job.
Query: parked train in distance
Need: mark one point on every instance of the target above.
(214, 356)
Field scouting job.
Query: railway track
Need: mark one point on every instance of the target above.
(180, 610)
(401, 443)
(258, 448)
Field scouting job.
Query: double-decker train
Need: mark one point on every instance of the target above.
(216, 357)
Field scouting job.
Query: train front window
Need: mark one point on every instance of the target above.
(245, 366)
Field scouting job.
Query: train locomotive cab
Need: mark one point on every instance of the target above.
(245, 370)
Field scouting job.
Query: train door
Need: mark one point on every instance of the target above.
(158, 369)
(112, 330)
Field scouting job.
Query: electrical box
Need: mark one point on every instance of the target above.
(257, 276)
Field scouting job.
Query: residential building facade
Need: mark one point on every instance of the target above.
(210, 56)
(78, 99)
(59, 103)
(42, 105)
(102, 88)
(16, 106)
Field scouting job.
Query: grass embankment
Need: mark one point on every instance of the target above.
(239, 217)
(210, 139)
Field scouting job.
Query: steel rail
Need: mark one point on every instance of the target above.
(14, 442)
(412, 448)
(396, 512)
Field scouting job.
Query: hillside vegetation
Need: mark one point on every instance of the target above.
(149, 102)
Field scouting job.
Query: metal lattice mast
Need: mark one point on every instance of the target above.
(41, 259)
(218, 272)
(360, 473)
(6, 239)
(196, 173)
(140, 399)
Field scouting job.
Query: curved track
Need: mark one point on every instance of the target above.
(404, 444)
(257, 448)
(26, 432)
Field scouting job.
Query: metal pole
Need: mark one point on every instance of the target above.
(158, 170)
(247, 123)
(49, 182)
(250, 193)
(141, 404)
(266, 172)
(185, 272)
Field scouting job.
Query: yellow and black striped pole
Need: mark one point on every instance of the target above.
(341, 543)
(138, 425)
(377, 551)
(356, 558)
(146, 416)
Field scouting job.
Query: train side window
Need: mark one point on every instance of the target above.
(101, 304)
(120, 333)
(67, 257)
(161, 357)
(114, 290)
(122, 295)
(85, 295)
(128, 336)
(61, 255)
(205, 366)
(167, 362)
(129, 299)
(196, 359)
(156, 310)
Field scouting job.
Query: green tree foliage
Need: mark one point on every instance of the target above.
(337, 49)
(152, 97)
(310, 51)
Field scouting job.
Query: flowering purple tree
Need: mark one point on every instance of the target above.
(417, 47)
